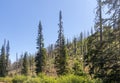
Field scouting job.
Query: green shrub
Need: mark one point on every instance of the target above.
(19, 79)
(78, 69)
(49, 80)
(33, 80)
(42, 78)
(46, 79)
(6, 79)
(74, 79)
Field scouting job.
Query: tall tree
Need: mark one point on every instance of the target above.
(61, 57)
(3, 62)
(99, 20)
(7, 56)
(40, 58)
(25, 64)
(4, 59)
(75, 45)
(81, 43)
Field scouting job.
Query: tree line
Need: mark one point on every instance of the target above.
(95, 53)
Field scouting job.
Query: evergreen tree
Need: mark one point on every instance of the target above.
(75, 45)
(40, 58)
(25, 64)
(61, 54)
(81, 43)
(7, 56)
(4, 59)
(91, 31)
(99, 20)
(3, 62)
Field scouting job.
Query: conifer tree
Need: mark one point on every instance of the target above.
(25, 64)
(99, 20)
(7, 56)
(40, 58)
(4, 59)
(61, 54)
(81, 43)
(75, 45)
(3, 62)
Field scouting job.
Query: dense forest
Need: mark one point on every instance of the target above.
(93, 57)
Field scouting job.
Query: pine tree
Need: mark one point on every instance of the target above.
(3, 62)
(99, 20)
(40, 58)
(7, 56)
(25, 65)
(81, 43)
(61, 54)
(75, 45)
(4, 59)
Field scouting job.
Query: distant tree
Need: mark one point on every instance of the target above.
(3, 62)
(32, 64)
(25, 64)
(40, 58)
(75, 45)
(91, 31)
(50, 49)
(81, 43)
(7, 56)
(4, 59)
(61, 54)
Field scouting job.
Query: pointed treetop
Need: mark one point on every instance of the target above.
(60, 13)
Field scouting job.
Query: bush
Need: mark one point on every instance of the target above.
(74, 79)
(42, 78)
(19, 79)
(46, 79)
(33, 80)
(6, 79)
(78, 69)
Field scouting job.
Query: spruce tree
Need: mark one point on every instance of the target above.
(4, 59)
(40, 58)
(3, 62)
(61, 53)
(7, 56)
(25, 64)
(75, 45)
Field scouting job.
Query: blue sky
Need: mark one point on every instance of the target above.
(19, 21)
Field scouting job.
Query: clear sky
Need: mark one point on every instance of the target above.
(19, 21)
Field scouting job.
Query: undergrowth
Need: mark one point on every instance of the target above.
(42, 78)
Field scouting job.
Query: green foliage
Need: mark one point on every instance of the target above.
(103, 59)
(78, 70)
(40, 58)
(6, 79)
(19, 79)
(61, 51)
(4, 58)
(42, 78)
(33, 80)
(25, 65)
(74, 79)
